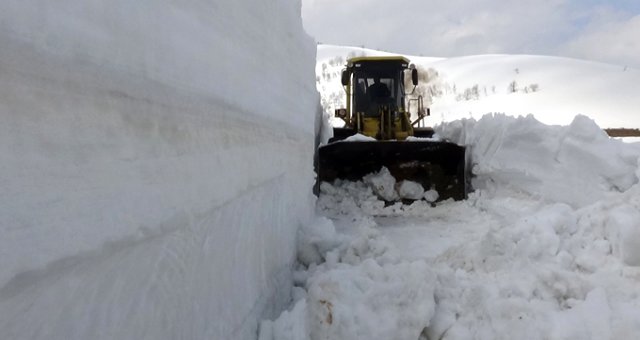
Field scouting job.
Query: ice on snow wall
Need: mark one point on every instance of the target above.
(155, 162)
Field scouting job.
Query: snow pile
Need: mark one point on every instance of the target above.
(370, 300)
(359, 138)
(358, 292)
(526, 256)
(156, 159)
(542, 271)
(545, 161)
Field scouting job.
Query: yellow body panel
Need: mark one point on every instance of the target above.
(371, 127)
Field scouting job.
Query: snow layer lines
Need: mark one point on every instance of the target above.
(547, 247)
(155, 162)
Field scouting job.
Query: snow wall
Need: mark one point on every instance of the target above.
(155, 163)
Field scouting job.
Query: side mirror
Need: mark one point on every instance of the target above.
(341, 113)
(345, 77)
(414, 77)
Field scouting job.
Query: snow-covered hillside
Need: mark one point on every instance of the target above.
(155, 163)
(553, 89)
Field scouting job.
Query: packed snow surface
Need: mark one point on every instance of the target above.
(546, 247)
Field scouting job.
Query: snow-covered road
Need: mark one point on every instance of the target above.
(547, 247)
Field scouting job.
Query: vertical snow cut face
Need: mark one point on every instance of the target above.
(155, 162)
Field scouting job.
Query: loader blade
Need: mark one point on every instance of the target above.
(434, 164)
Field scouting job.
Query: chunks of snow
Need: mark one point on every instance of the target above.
(431, 195)
(315, 240)
(358, 293)
(383, 184)
(385, 187)
(370, 300)
(410, 190)
(588, 319)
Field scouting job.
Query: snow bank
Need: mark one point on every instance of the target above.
(155, 162)
(546, 161)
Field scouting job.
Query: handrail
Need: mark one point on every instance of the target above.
(422, 113)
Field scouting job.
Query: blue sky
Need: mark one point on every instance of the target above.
(599, 30)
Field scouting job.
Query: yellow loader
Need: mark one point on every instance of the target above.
(378, 107)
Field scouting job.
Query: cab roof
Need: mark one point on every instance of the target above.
(357, 61)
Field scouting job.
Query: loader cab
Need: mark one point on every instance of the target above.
(373, 89)
(376, 81)
(372, 82)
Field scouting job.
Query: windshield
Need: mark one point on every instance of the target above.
(377, 87)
